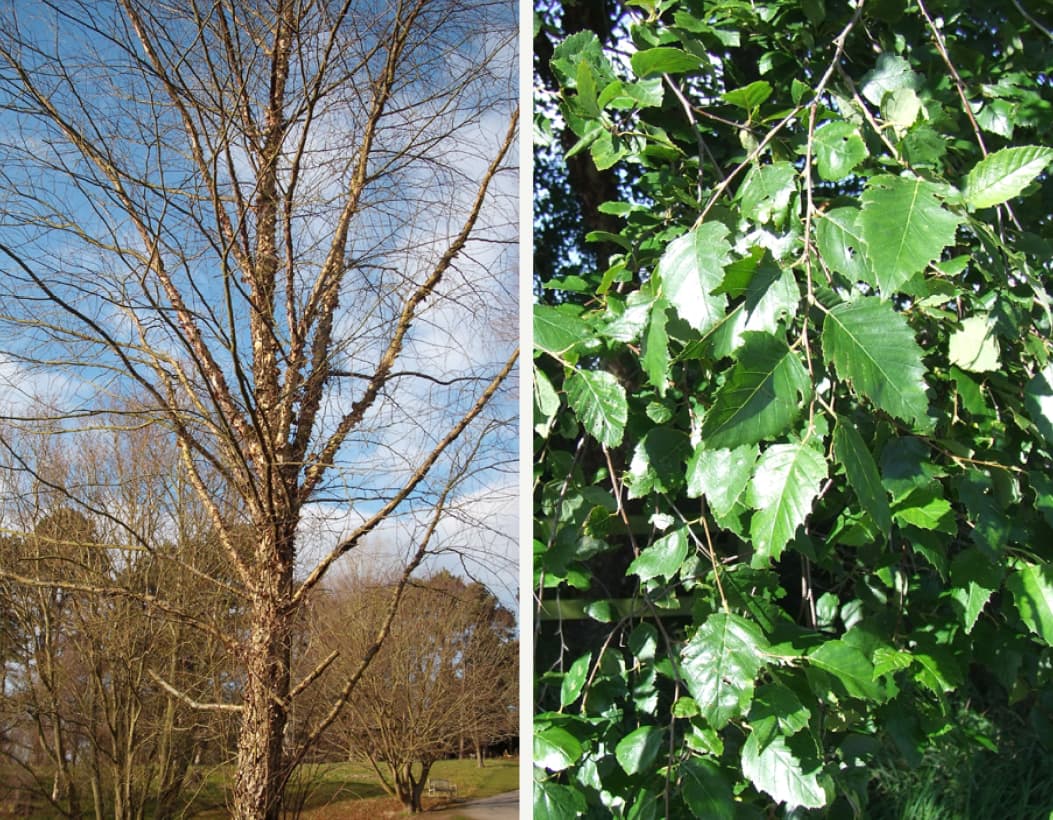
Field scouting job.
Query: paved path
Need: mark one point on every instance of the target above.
(499, 807)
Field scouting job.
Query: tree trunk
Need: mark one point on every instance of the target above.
(260, 769)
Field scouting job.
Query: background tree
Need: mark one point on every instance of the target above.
(264, 227)
(793, 431)
(98, 641)
(447, 671)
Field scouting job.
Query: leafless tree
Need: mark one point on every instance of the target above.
(276, 230)
(446, 671)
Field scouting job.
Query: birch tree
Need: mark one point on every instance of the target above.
(261, 227)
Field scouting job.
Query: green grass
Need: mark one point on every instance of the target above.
(959, 780)
(330, 784)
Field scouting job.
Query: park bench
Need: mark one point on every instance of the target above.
(440, 786)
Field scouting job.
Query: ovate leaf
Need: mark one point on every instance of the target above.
(599, 402)
(556, 331)
(707, 791)
(1032, 588)
(749, 97)
(838, 149)
(892, 72)
(574, 680)
(553, 801)
(663, 60)
(873, 347)
(841, 244)
(555, 748)
(720, 475)
(719, 665)
(546, 403)
(655, 354)
(690, 269)
(775, 770)
(975, 347)
(975, 579)
(1004, 174)
(785, 482)
(638, 749)
(863, 477)
(766, 191)
(850, 667)
(761, 397)
(905, 228)
(663, 558)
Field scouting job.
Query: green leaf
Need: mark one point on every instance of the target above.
(891, 73)
(761, 397)
(975, 347)
(905, 227)
(707, 791)
(582, 47)
(555, 748)
(719, 665)
(546, 403)
(776, 771)
(927, 509)
(840, 240)
(574, 680)
(873, 347)
(720, 475)
(691, 268)
(862, 473)
(1004, 174)
(975, 580)
(1038, 401)
(556, 331)
(655, 354)
(777, 702)
(663, 558)
(771, 294)
(1032, 588)
(838, 149)
(555, 802)
(657, 463)
(599, 401)
(765, 193)
(901, 108)
(637, 751)
(785, 482)
(850, 667)
(749, 97)
(663, 60)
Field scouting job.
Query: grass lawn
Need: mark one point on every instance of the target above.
(337, 791)
(347, 791)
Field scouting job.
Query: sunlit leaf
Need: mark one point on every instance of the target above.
(691, 268)
(838, 149)
(1032, 588)
(720, 663)
(762, 396)
(599, 402)
(873, 347)
(905, 227)
(785, 482)
(1004, 174)
(776, 771)
(638, 750)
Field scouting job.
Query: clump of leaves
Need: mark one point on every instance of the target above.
(794, 439)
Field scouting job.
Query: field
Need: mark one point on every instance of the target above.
(346, 791)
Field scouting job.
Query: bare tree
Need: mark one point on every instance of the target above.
(86, 649)
(268, 228)
(447, 670)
